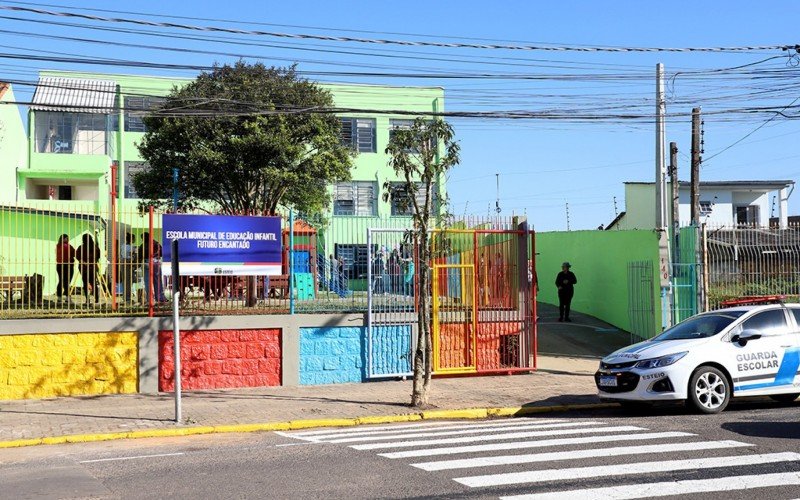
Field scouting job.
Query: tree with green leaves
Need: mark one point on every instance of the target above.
(421, 155)
(245, 139)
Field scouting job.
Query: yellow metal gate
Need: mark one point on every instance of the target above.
(455, 321)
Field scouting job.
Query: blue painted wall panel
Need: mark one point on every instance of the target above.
(338, 355)
(391, 349)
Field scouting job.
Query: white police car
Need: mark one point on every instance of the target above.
(709, 358)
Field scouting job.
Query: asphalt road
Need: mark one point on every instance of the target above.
(752, 450)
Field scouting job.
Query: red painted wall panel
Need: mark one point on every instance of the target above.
(498, 345)
(216, 359)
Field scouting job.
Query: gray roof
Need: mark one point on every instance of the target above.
(735, 185)
(74, 94)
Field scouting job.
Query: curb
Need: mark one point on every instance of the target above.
(291, 425)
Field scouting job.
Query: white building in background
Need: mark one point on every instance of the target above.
(722, 203)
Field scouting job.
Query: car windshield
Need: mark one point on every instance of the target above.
(700, 327)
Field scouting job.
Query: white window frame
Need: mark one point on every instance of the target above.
(361, 136)
(396, 209)
(356, 199)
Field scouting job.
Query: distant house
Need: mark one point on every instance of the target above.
(722, 204)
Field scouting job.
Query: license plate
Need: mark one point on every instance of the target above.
(608, 381)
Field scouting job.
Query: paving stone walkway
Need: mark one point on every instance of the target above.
(559, 380)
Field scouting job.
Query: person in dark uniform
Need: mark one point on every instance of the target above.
(565, 281)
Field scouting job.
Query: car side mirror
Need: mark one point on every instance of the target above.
(746, 336)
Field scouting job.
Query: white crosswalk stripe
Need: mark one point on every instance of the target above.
(359, 429)
(542, 476)
(394, 429)
(463, 431)
(471, 427)
(572, 449)
(497, 437)
(576, 455)
(671, 488)
(542, 443)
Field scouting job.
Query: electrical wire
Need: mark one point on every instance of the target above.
(415, 43)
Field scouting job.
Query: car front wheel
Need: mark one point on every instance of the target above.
(709, 391)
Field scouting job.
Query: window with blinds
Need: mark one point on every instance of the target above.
(401, 198)
(134, 108)
(355, 198)
(395, 125)
(358, 134)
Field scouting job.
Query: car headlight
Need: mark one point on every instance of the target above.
(662, 361)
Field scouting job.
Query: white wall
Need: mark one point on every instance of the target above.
(640, 212)
(724, 203)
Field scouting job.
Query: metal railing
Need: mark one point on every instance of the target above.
(751, 261)
(89, 258)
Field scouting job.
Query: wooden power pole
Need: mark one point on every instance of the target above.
(673, 180)
(695, 176)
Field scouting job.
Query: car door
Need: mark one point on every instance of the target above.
(793, 358)
(765, 365)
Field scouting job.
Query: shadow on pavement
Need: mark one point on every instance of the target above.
(585, 336)
(780, 430)
(85, 415)
(564, 399)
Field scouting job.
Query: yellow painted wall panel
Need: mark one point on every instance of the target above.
(68, 364)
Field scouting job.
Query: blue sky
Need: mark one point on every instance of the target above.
(543, 164)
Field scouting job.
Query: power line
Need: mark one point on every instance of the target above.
(405, 43)
(777, 113)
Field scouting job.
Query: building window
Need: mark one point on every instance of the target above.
(131, 169)
(354, 260)
(706, 207)
(401, 199)
(747, 215)
(355, 198)
(135, 110)
(395, 125)
(358, 134)
(71, 133)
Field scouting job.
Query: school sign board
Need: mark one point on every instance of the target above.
(211, 245)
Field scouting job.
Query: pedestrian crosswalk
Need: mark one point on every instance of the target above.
(544, 458)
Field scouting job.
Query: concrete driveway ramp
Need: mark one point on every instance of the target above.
(585, 336)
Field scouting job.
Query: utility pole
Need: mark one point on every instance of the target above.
(567, 207)
(665, 259)
(695, 175)
(661, 171)
(673, 176)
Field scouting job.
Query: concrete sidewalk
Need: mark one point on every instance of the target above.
(559, 381)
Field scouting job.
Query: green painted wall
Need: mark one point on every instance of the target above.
(13, 145)
(122, 147)
(28, 240)
(600, 262)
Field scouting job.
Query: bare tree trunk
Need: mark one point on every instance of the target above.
(423, 355)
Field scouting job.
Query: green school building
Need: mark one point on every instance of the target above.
(55, 167)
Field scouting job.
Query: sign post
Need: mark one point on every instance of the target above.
(176, 329)
(211, 245)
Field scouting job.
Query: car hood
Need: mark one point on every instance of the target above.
(652, 349)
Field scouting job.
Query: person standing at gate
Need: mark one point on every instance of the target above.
(88, 255)
(565, 281)
(155, 286)
(333, 284)
(126, 266)
(65, 265)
